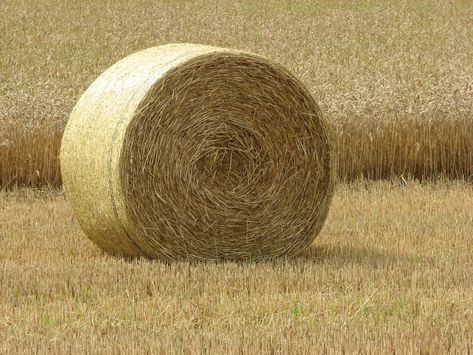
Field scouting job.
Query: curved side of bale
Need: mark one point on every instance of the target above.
(198, 152)
(93, 139)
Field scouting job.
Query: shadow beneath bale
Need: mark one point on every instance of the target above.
(343, 255)
(332, 255)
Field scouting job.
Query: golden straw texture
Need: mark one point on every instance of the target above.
(186, 151)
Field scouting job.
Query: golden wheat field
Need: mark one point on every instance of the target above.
(394, 77)
(391, 271)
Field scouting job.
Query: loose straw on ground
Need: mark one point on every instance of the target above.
(194, 152)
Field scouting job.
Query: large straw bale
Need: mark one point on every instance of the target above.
(198, 152)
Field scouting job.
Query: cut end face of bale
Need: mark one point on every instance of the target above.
(194, 152)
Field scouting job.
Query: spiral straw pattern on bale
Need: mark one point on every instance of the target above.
(194, 152)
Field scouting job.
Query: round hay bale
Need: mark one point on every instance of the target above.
(187, 151)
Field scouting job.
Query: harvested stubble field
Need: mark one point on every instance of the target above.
(391, 272)
(395, 78)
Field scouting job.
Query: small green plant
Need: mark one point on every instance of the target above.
(296, 309)
(48, 321)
